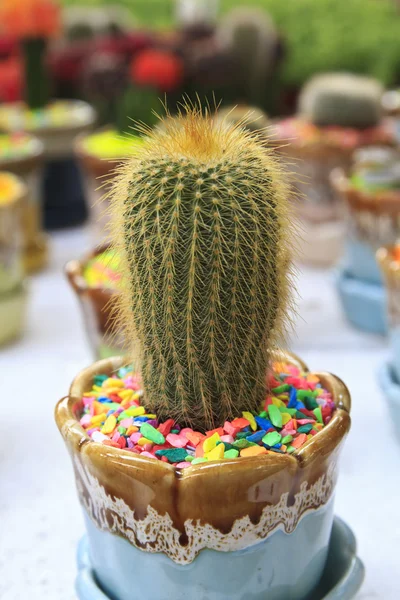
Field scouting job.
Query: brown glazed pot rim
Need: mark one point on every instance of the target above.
(381, 202)
(322, 443)
(25, 162)
(99, 166)
(74, 270)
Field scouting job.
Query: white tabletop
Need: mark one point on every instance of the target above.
(40, 516)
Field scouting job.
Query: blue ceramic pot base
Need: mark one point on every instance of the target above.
(390, 386)
(363, 302)
(341, 579)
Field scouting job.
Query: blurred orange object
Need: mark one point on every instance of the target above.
(160, 70)
(30, 18)
(11, 77)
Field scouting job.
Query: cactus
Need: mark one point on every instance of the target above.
(251, 36)
(342, 99)
(200, 221)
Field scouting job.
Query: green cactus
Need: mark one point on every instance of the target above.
(200, 221)
(342, 99)
(251, 36)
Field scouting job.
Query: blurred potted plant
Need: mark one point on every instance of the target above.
(96, 281)
(186, 490)
(124, 94)
(371, 191)
(12, 286)
(337, 113)
(56, 124)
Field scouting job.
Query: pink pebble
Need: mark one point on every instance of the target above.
(227, 438)
(147, 448)
(148, 454)
(177, 441)
(85, 420)
(183, 465)
(135, 437)
(305, 421)
(286, 432)
(88, 401)
(186, 430)
(116, 436)
(126, 422)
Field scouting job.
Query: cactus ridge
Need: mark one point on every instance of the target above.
(201, 222)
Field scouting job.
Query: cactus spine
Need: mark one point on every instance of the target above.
(200, 220)
(342, 99)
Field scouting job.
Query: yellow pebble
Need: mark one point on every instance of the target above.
(150, 416)
(126, 394)
(110, 382)
(285, 418)
(211, 442)
(253, 451)
(142, 441)
(216, 453)
(114, 390)
(135, 411)
(109, 425)
(278, 402)
(251, 420)
(97, 419)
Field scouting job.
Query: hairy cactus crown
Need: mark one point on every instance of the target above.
(201, 221)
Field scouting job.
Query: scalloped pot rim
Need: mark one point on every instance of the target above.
(225, 505)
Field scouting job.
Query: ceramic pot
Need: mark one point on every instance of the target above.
(391, 107)
(64, 202)
(29, 167)
(97, 309)
(390, 269)
(246, 528)
(12, 287)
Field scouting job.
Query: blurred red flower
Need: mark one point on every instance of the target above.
(30, 18)
(155, 68)
(11, 79)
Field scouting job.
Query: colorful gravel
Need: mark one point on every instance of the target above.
(297, 408)
(17, 145)
(103, 270)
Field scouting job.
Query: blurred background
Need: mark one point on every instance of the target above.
(319, 82)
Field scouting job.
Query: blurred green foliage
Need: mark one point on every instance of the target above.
(320, 35)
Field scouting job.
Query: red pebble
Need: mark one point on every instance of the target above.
(122, 442)
(240, 422)
(299, 441)
(326, 411)
(219, 430)
(160, 447)
(164, 459)
(115, 398)
(177, 441)
(166, 427)
(308, 413)
(267, 403)
(195, 437)
(110, 443)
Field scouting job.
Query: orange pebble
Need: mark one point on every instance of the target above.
(239, 422)
(219, 430)
(299, 441)
(195, 437)
(253, 451)
(98, 407)
(131, 429)
(199, 452)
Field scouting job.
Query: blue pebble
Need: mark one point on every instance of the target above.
(277, 446)
(292, 398)
(141, 419)
(110, 412)
(265, 424)
(104, 399)
(299, 405)
(257, 436)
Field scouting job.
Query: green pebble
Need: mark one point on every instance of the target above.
(152, 434)
(197, 461)
(122, 430)
(111, 405)
(275, 415)
(305, 428)
(232, 453)
(98, 379)
(263, 414)
(318, 413)
(243, 443)
(243, 434)
(300, 415)
(174, 455)
(174, 430)
(281, 389)
(226, 445)
(290, 449)
(310, 403)
(292, 411)
(303, 394)
(189, 458)
(272, 438)
(287, 439)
